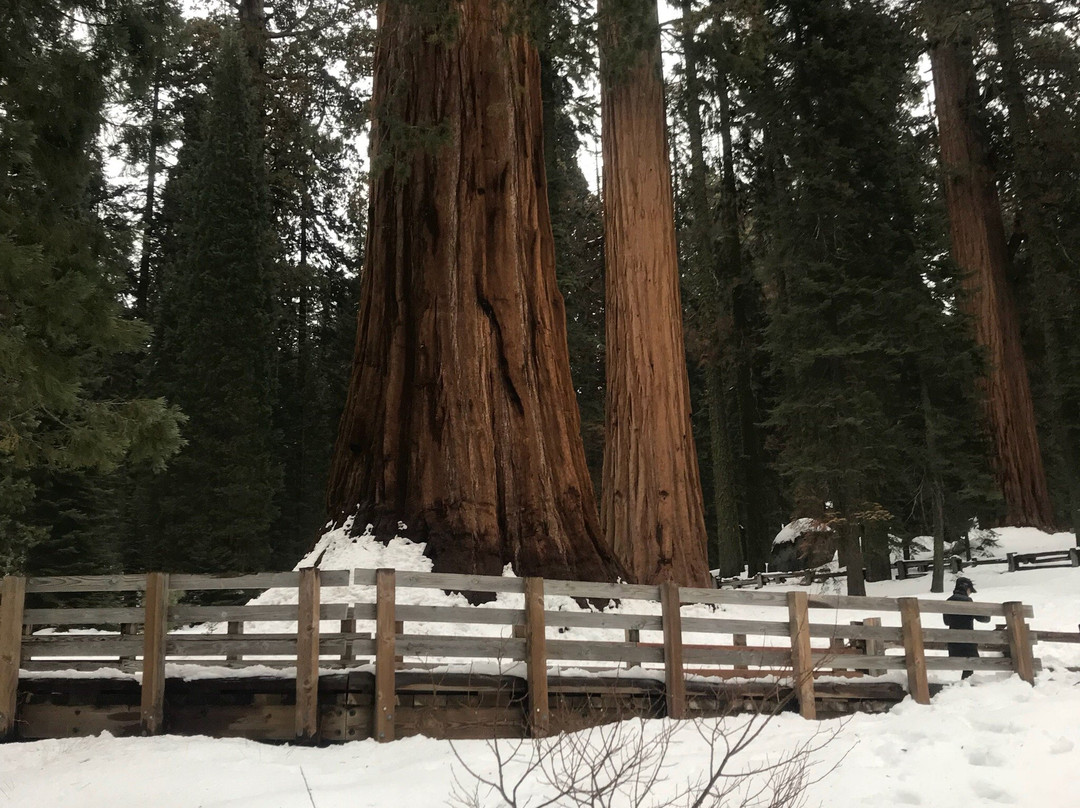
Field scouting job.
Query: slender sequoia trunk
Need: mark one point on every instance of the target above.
(652, 504)
(460, 419)
(729, 557)
(1033, 227)
(149, 223)
(980, 250)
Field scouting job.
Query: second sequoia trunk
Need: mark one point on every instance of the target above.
(461, 419)
(980, 250)
(652, 503)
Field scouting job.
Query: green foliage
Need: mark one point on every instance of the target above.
(214, 350)
(60, 269)
(860, 312)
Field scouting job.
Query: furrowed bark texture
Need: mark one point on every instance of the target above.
(461, 419)
(651, 504)
(980, 250)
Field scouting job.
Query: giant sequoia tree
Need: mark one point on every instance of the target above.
(460, 419)
(980, 249)
(652, 504)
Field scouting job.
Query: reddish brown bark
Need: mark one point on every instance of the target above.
(652, 503)
(461, 419)
(980, 250)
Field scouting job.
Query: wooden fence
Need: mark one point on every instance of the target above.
(537, 637)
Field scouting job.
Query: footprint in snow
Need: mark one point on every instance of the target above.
(986, 756)
(1061, 746)
(992, 793)
(906, 797)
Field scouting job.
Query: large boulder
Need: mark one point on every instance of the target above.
(802, 544)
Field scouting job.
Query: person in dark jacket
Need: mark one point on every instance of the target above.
(962, 592)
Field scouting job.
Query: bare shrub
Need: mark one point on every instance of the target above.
(628, 765)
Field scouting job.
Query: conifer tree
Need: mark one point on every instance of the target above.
(214, 351)
(60, 274)
(846, 259)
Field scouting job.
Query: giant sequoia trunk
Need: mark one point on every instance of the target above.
(460, 419)
(652, 504)
(980, 250)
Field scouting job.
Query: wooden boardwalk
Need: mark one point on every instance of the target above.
(389, 669)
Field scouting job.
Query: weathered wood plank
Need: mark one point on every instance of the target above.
(873, 631)
(613, 652)
(1055, 636)
(12, 601)
(460, 583)
(1020, 648)
(385, 695)
(87, 583)
(594, 590)
(914, 653)
(875, 604)
(536, 658)
(437, 645)
(469, 615)
(627, 622)
(743, 657)
(802, 666)
(944, 663)
(258, 580)
(721, 625)
(674, 676)
(41, 721)
(307, 657)
(992, 637)
(733, 597)
(83, 617)
(83, 645)
(155, 627)
(285, 613)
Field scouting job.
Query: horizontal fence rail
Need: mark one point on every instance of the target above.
(533, 628)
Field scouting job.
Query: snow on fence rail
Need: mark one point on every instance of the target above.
(787, 642)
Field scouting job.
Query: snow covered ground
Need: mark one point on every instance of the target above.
(991, 740)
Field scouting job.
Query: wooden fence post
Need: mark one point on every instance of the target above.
(12, 602)
(307, 656)
(633, 635)
(536, 658)
(385, 687)
(873, 647)
(914, 652)
(1010, 559)
(1020, 651)
(674, 679)
(348, 626)
(155, 630)
(234, 628)
(802, 665)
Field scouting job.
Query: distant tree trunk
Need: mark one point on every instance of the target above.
(652, 504)
(148, 223)
(461, 419)
(937, 489)
(725, 466)
(1034, 226)
(980, 250)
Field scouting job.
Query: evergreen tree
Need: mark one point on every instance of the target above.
(214, 351)
(60, 274)
(853, 323)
